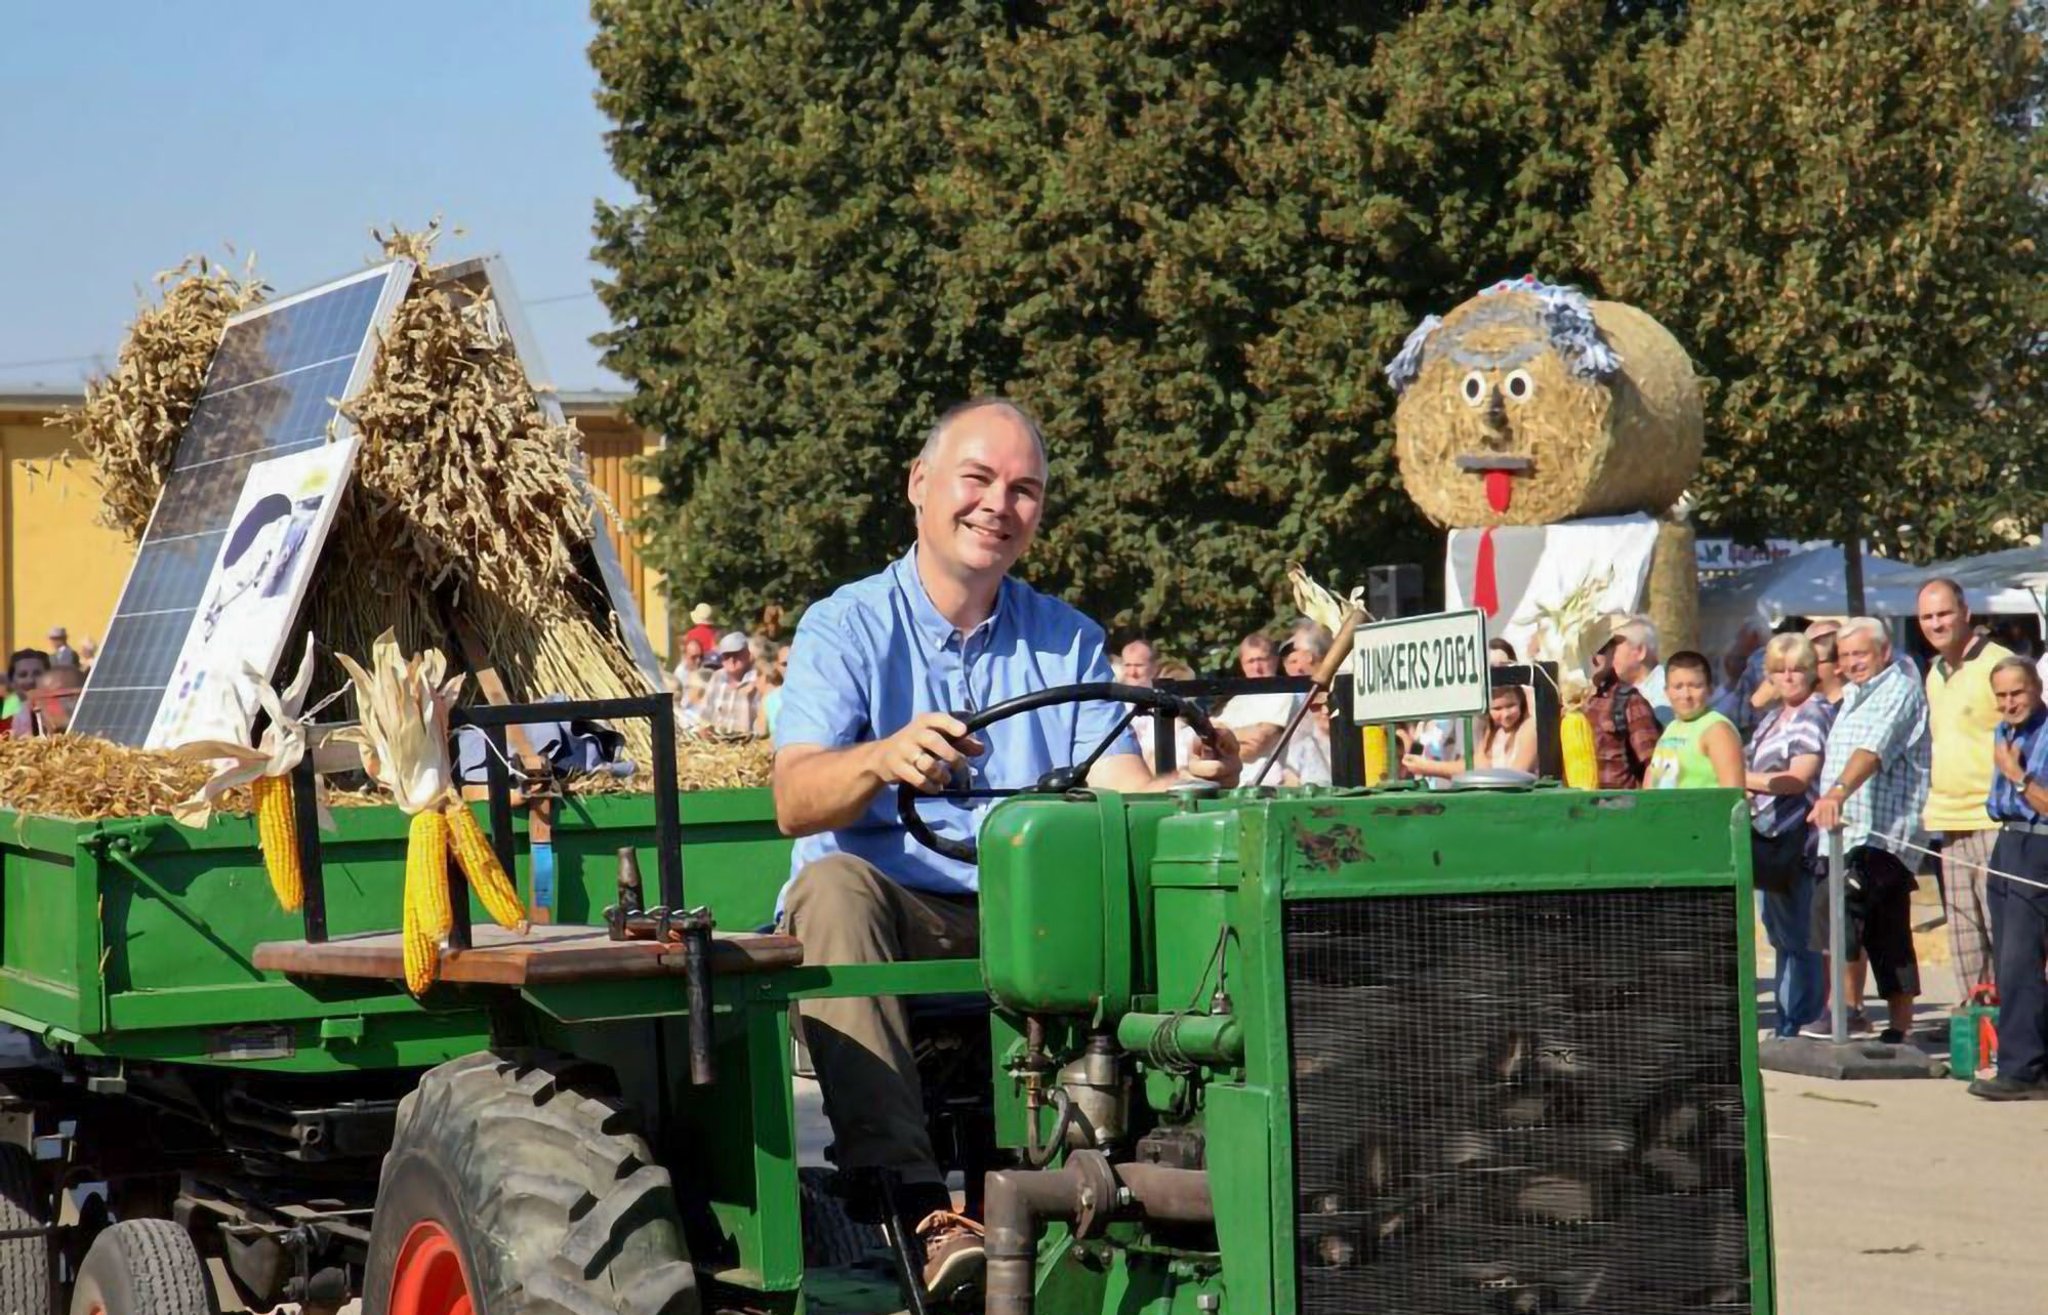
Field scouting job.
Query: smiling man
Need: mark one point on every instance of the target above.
(876, 675)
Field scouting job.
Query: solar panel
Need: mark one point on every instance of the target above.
(272, 389)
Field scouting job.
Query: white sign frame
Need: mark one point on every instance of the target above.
(1418, 668)
(251, 600)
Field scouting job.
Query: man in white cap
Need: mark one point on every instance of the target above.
(701, 629)
(733, 698)
(61, 652)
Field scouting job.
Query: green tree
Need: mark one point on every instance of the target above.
(1188, 234)
(1839, 216)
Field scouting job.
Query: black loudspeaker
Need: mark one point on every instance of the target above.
(1392, 591)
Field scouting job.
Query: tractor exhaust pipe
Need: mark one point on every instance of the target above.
(1087, 1193)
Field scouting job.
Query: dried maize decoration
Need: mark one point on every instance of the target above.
(404, 706)
(1575, 734)
(266, 770)
(480, 864)
(277, 832)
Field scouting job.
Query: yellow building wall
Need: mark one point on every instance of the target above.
(58, 566)
(612, 448)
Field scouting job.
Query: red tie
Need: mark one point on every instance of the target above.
(1485, 590)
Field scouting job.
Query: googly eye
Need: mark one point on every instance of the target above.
(1474, 388)
(1520, 387)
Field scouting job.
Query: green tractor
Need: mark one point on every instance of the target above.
(1310, 1051)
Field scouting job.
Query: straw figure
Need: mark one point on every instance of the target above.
(1531, 405)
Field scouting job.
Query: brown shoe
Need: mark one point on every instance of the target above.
(954, 1258)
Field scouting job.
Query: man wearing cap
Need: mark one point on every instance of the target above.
(732, 699)
(701, 629)
(61, 652)
(875, 675)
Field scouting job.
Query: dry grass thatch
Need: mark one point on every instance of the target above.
(1628, 444)
(131, 419)
(87, 779)
(464, 500)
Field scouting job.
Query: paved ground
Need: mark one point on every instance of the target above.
(1904, 1198)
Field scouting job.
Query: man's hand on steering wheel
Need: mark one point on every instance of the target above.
(1219, 762)
(928, 754)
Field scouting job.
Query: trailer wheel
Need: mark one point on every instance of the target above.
(142, 1267)
(24, 1261)
(515, 1186)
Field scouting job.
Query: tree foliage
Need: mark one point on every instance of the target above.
(1189, 234)
(1840, 215)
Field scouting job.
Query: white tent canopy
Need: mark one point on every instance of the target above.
(1807, 583)
(2011, 581)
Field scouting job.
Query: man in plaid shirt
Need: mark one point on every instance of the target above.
(1873, 783)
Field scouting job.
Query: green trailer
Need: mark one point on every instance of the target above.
(1307, 1051)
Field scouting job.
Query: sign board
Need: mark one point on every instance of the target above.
(1421, 667)
(258, 582)
(1728, 555)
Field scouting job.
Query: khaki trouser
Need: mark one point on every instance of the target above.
(1963, 857)
(845, 910)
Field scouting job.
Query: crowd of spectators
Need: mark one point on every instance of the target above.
(729, 686)
(43, 686)
(1914, 769)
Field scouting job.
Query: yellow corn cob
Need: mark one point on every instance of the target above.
(1575, 735)
(426, 895)
(1375, 754)
(421, 963)
(480, 864)
(277, 831)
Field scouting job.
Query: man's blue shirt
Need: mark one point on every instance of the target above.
(2006, 802)
(877, 653)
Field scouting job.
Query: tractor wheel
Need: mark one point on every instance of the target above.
(142, 1267)
(516, 1186)
(24, 1261)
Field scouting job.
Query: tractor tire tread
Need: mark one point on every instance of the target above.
(24, 1262)
(166, 1276)
(577, 1217)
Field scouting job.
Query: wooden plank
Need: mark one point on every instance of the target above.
(558, 953)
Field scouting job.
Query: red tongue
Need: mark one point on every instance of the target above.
(1499, 488)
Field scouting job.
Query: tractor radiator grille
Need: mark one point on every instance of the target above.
(1521, 1102)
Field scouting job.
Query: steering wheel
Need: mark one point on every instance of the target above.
(1060, 779)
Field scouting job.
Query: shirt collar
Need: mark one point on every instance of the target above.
(2010, 732)
(932, 624)
(1970, 654)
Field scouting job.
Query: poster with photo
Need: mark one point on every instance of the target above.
(258, 581)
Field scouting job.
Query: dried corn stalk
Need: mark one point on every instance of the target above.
(131, 419)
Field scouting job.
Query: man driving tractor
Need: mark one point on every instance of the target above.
(877, 675)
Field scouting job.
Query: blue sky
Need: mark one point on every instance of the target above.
(134, 134)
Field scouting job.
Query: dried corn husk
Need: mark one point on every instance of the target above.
(131, 419)
(1317, 603)
(404, 704)
(1570, 633)
(237, 764)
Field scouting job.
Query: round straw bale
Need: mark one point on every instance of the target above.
(1503, 410)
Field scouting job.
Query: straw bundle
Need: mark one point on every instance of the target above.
(1672, 592)
(131, 419)
(462, 479)
(464, 502)
(1495, 379)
